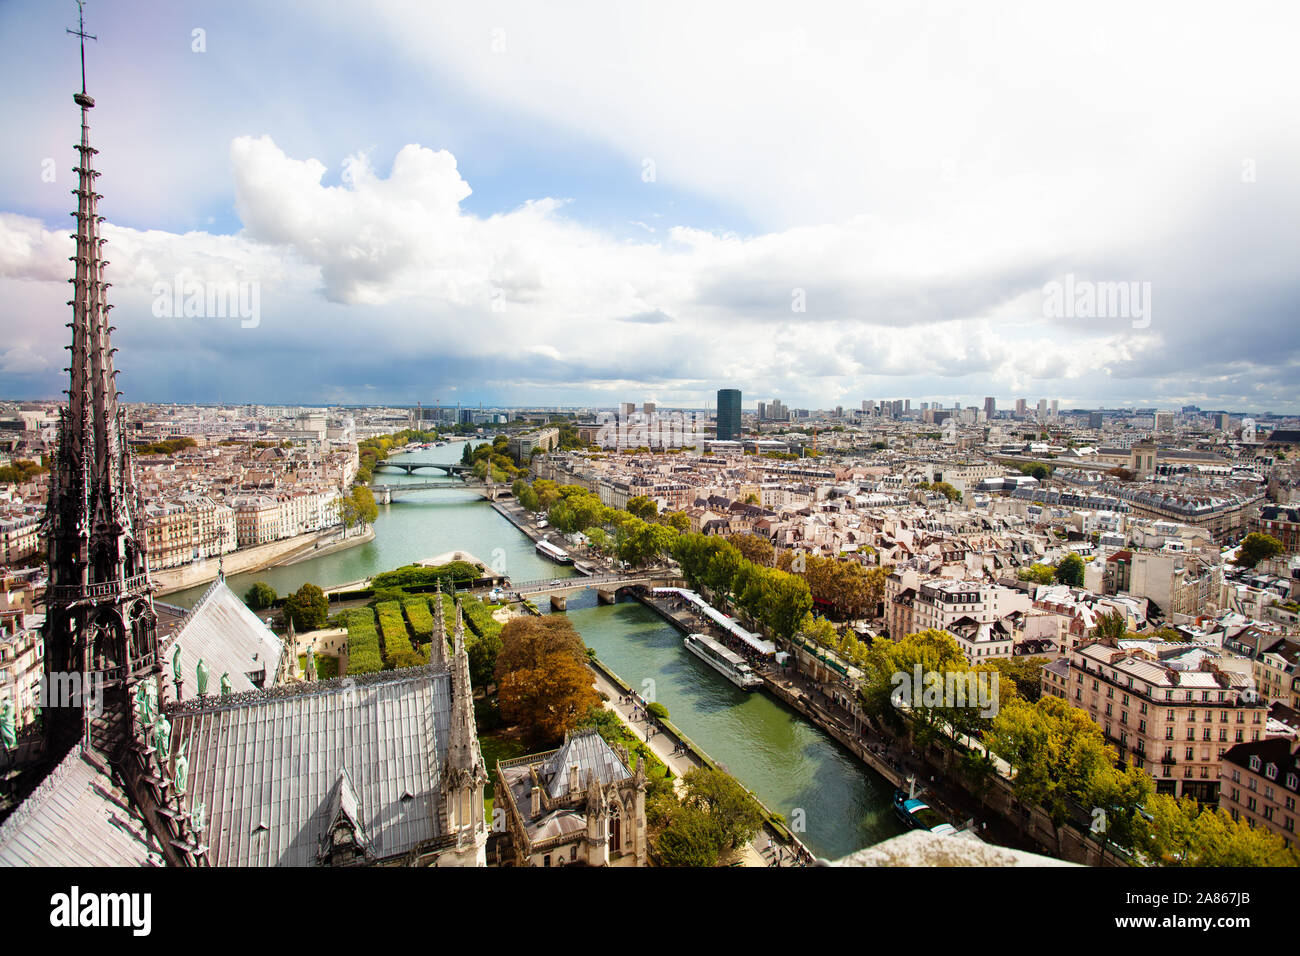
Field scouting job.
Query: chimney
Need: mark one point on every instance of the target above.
(537, 801)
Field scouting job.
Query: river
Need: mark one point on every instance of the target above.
(796, 769)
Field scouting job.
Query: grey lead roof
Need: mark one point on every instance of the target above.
(229, 638)
(267, 764)
(590, 752)
(76, 817)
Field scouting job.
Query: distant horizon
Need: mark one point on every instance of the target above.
(498, 406)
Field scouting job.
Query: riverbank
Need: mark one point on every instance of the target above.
(774, 845)
(303, 547)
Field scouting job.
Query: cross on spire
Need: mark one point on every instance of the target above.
(81, 32)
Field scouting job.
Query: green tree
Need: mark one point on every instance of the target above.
(308, 608)
(643, 508)
(734, 815)
(1070, 570)
(1058, 754)
(1110, 628)
(1180, 832)
(260, 596)
(1037, 573)
(1256, 548)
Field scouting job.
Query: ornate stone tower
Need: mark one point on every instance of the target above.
(100, 629)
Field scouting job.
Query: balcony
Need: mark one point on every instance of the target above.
(103, 589)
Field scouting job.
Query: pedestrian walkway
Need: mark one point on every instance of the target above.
(679, 759)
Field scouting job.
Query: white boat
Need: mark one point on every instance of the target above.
(723, 660)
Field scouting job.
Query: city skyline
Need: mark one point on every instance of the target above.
(497, 189)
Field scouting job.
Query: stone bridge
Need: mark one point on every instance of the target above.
(607, 586)
(384, 494)
(451, 468)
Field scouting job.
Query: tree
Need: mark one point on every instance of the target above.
(1180, 832)
(363, 501)
(543, 683)
(734, 815)
(642, 507)
(548, 700)
(308, 608)
(1256, 548)
(260, 596)
(1060, 758)
(1023, 673)
(689, 839)
(679, 521)
(1070, 570)
(1110, 628)
(754, 548)
(947, 490)
(1037, 573)
(886, 662)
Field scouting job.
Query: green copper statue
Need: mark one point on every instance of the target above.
(181, 775)
(176, 664)
(225, 684)
(8, 731)
(162, 737)
(197, 821)
(201, 670)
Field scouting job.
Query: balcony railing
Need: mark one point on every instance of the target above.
(102, 589)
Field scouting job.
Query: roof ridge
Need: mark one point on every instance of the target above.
(36, 799)
(210, 704)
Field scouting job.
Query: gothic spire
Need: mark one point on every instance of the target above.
(100, 617)
(438, 644)
(464, 760)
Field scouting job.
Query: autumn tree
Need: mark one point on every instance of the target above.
(543, 683)
(754, 548)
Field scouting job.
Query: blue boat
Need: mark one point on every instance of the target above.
(919, 815)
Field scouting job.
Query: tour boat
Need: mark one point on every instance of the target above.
(548, 550)
(723, 660)
(919, 815)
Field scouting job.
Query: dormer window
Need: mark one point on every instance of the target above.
(1254, 763)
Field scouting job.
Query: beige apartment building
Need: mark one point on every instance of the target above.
(1172, 709)
(22, 663)
(19, 538)
(1262, 784)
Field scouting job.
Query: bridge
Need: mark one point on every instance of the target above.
(451, 468)
(607, 586)
(384, 494)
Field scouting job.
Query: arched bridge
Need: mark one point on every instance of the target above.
(384, 494)
(607, 586)
(451, 468)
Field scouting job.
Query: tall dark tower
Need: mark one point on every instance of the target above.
(100, 626)
(728, 414)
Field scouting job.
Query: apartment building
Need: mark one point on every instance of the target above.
(1262, 784)
(1172, 709)
(22, 663)
(19, 538)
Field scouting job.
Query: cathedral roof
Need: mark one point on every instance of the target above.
(267, 764)
(77, 817)
(229, 638)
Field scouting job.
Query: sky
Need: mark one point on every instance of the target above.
(583, 203)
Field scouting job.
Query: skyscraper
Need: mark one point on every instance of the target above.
(728, 414)
(990, 406)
